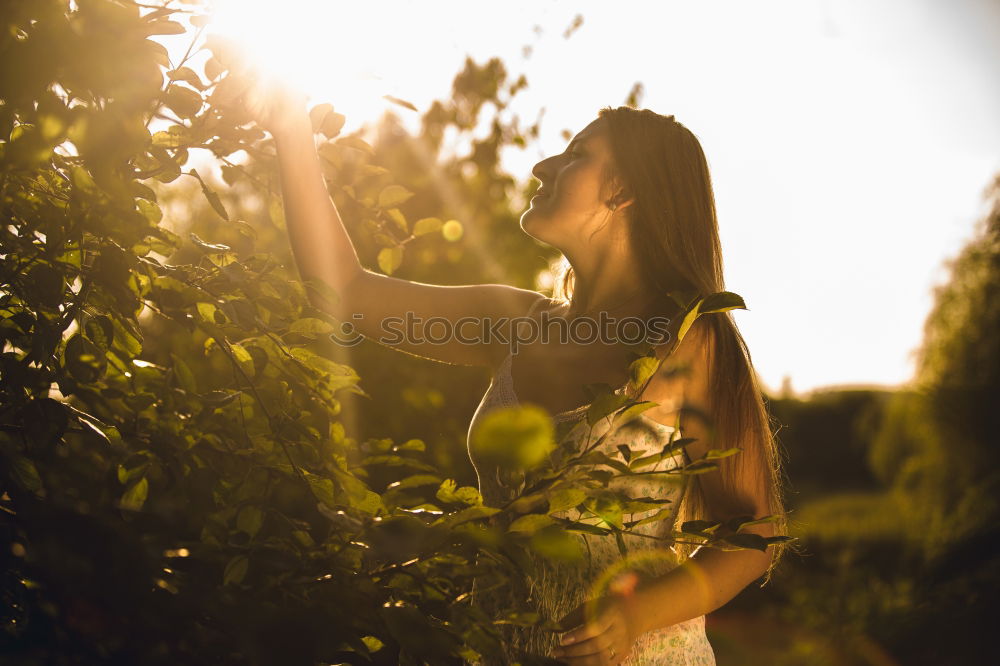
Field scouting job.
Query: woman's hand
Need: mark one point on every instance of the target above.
(601, 634)
(271, 102)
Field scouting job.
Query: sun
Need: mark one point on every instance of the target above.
(335, 52)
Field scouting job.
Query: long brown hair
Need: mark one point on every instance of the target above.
(674, 234)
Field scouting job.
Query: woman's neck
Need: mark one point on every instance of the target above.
(612, 285)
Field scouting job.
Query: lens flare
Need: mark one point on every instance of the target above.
(331, 51)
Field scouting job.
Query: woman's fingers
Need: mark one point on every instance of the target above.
(596, 646)
(584, 622)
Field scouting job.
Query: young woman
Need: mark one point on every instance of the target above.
(629, 203)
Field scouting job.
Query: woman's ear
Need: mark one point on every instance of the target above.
(622, 199)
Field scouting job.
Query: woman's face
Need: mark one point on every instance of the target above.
(573, 201)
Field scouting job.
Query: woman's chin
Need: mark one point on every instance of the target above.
(532, 225)
(538, 231)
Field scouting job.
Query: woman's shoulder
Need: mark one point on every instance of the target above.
(546, 304)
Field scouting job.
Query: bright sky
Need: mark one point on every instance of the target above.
(849, 141)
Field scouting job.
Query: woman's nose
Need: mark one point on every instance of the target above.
(541, 170)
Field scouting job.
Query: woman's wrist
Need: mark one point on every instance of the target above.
(290, 128)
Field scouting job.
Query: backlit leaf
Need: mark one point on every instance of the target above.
(389, 259)
(236, 570)
(393, 195)
(135, 496)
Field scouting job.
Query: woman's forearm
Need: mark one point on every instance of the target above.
(322, 247)
(706, 581)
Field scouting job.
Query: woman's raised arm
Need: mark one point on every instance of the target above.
(464, 325)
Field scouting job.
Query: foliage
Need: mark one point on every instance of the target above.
(201, 500)
(942, 429)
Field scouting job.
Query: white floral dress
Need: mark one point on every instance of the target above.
(554, 589)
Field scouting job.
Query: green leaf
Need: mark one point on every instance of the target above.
(465, 515)
(415, 481)
(410, 445)
(608, 507)
(183, 375)
(718, 302)
(323, 490)
(135, 496)
(334, 375)
(447, 492)
(779, 539)
(222, 259)
(213, 199)
(303, 538)
(318, 113)
(187, 75)
(26, 474)
(641, 369)
(44, 284)
(740, 522)
(372, 643)
(398, 219)
(361, 496)
(207, 312)
(687, 322)
(531, 523)
(236, 570)
(716, 454)
(85, 361)
(556, 543)
(642, 504)
(389, 259)
(632, 412)
(700, 526)
(519, 437)
(100, 331)
(249, 520)
(356, 143)
(564, 498)
(393, 195)
(149, 210)
(326, 121)
(183, 101)
(164, 27)
(243, 358)
(588, 528)
(427, 225)
(700, 467)
(213, 247)
(310, 326)
(722, 301)
(45, 420)
(530, 503)
(174, 137)
(604, 404)
(401, 102)
(662, 514)
(107, 432)
(213, 69)
(748, 540)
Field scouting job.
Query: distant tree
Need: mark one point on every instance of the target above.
(938, 444)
